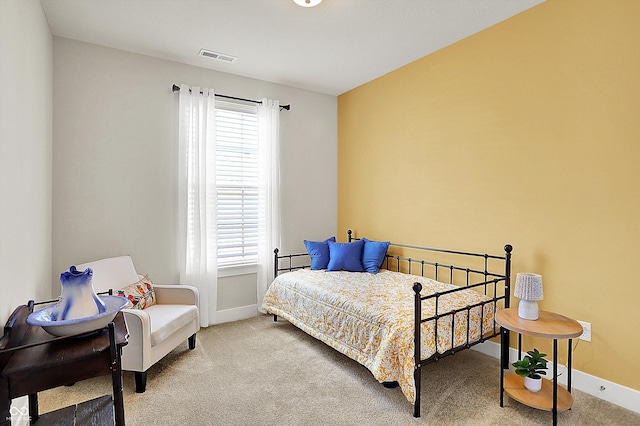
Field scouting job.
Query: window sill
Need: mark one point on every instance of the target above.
(231, 271)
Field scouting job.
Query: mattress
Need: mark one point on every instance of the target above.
(369, 317)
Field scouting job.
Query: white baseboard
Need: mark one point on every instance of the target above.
(236, 314)
(600, 388)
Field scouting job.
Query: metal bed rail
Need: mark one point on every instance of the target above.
(277, 268)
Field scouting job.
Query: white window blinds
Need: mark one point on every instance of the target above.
(236, 184)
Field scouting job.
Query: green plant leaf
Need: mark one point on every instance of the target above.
(532, 365)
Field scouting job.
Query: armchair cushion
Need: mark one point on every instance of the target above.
(167, 319)
(111, 273)
(140, 295)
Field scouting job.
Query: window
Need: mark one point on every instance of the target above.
(228, 192)
(236, 184)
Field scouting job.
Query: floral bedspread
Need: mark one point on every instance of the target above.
(369, 317)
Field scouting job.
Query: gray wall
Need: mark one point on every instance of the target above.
(115, 160)
(25, 154)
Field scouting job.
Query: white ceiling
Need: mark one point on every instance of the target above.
(331, 48)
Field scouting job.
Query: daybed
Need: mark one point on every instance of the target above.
(396, 320)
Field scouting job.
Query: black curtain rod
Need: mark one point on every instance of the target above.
(176, 88)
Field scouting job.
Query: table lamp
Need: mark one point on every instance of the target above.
(528, 290)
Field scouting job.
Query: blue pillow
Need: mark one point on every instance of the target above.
(319, 252)
(373, 255)
(346, 256)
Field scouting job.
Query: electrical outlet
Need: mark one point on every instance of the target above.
(586, 331)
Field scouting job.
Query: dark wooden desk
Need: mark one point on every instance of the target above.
(32, 360)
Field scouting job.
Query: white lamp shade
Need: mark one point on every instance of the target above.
(528, 286)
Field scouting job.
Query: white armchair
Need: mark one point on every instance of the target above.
(156, 330)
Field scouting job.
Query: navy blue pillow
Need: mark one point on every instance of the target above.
(373, 255)
(346, 256)
(319, 252)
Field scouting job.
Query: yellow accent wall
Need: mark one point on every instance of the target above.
(526, 133)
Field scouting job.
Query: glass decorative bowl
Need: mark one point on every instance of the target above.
(42, 318)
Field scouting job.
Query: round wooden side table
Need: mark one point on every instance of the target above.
(549, 325)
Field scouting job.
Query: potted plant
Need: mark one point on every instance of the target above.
(532, 368)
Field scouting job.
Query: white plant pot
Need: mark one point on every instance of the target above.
(534, 385)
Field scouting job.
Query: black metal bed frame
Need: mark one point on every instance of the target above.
(405, 264)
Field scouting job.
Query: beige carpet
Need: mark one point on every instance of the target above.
(257, 372)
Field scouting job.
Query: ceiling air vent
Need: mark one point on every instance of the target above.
(216, 55)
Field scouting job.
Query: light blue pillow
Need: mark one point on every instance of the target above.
(319, 253)
(346, 256)
(373, 255)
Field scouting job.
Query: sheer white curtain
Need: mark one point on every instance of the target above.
(269, 191)
(197, 197)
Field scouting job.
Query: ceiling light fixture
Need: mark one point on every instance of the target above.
(307, 3)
